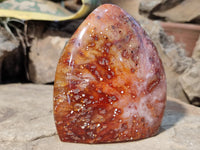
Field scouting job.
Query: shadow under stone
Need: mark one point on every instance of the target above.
(174, 112)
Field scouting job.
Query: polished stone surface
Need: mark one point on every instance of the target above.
(110, 84)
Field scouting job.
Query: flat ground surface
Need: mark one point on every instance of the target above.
(26, 122)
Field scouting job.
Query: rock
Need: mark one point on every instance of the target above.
(190, 80)
(146, 6)
(44, 53)
(178, 13)
(11, 58)
(7, 43)
(175, 63)
(30, 125)
(174, 87)
(110, 55)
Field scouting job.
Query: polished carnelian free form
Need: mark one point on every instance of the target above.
(110, 84)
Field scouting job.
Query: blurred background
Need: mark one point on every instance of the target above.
(34, 32)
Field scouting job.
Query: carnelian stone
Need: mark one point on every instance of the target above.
(110, 84)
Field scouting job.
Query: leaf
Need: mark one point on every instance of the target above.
(43, 10)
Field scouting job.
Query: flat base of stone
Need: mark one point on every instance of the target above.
(26, 122)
